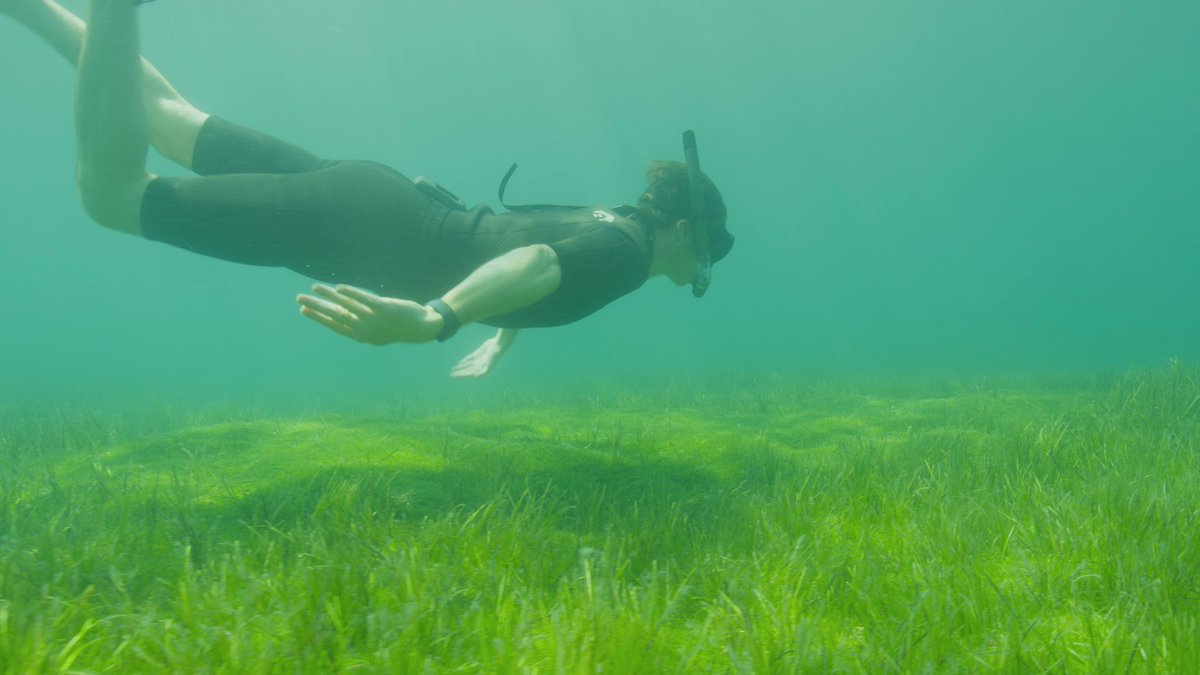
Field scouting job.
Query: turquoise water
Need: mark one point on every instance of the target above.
(931, 187)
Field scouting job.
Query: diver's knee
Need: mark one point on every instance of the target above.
(117, 207)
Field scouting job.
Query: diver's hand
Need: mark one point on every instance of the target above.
(480, 362)
(363, 316)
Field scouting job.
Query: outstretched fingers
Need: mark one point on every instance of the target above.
(331, 315)
(364, 297)
(366, 317)
(351, 302)
(328, 321)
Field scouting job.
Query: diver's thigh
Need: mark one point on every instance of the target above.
(222, 147)
(281, 220)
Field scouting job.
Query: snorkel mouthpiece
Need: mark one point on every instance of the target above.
(699, 225)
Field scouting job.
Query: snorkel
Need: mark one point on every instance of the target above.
(699, 224)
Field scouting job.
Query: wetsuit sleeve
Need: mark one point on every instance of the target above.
(597, 267)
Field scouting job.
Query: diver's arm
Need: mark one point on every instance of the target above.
(514, 280)
(481, 361)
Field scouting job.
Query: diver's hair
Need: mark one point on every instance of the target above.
(667, 197)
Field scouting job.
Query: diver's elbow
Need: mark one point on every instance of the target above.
(542, 267)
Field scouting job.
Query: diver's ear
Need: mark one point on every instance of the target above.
(683, 228)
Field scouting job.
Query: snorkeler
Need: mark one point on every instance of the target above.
(401, 260)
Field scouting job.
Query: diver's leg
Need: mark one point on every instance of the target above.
(173, 122)
(111, 129)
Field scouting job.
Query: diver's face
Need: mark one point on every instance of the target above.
(682, 268)
(683, 273)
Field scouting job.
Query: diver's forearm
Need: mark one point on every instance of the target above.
(514, 280)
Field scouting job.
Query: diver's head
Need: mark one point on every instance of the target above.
(666, 203)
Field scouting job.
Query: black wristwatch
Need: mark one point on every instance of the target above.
(450, 322)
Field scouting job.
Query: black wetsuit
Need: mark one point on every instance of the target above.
(261, 201)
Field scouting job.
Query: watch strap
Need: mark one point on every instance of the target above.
(450, 322)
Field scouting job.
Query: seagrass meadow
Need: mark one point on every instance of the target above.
(739, 524)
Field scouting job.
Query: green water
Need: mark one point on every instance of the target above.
(933, 186)
(938, 411)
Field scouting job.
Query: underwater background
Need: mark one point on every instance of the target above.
(939, 412)
(929, 187)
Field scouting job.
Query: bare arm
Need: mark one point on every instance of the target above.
(514, 280)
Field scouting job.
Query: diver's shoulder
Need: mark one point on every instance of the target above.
(607, 214)
(579, 220)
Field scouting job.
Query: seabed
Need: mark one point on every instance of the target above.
(739, 524)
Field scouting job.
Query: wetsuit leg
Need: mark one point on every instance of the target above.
(224, 147)
(266, 202)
